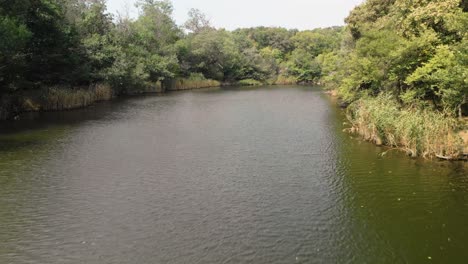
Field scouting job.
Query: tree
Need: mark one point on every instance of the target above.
(15, 37)
(412, 49)
(445, 76)
(197, 21)
(303, 65)
(51, 54)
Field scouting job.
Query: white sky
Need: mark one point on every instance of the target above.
(232, 14)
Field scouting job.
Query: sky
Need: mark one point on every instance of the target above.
(232, 14)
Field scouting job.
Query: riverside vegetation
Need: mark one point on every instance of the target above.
(404, 66)
(71, 45)
(401, 65)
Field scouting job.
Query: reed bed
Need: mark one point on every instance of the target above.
(188, 84)
(420, 132)
(249, 82)
(194, 81)
(285, 80)
(62, 98)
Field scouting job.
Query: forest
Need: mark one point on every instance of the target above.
(73, 43)
(400, 65)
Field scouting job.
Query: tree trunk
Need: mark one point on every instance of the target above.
(460, 110)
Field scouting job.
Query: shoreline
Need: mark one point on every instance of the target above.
(60, 99)
(56, 99)
(452, 147)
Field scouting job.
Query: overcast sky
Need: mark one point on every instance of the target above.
(232, 14)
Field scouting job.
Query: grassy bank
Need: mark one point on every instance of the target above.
(194, 81)
(286, 80)
(418, 131)
(249, 82)
(64, 98)
(60, 98)
(56, 98)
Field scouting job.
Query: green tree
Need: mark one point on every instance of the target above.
(15, 37)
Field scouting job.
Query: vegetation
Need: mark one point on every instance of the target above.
(400, 63)
(404, 67)
(62, 98)
(194, 81)
(74, 45)
(419, 131)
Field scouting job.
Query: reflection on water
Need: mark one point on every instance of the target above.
(262, 175)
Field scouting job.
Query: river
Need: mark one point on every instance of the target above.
(232, 175)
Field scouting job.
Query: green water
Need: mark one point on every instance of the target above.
(239, 175)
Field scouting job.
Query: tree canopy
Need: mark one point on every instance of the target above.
(415, 49)
(50, 42)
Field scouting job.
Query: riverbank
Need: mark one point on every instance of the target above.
(60, 98)
(69, 98)
(53, 99)
(418, 131)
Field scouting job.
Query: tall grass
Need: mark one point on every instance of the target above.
(61, 98)
(286, 80)
(64, 98)
(249, 82)
(187, 84)
(194, 81)
(419, 131)
(102, 92)
(144, 88)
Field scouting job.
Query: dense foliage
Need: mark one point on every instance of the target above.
(405, 55)
(76, 43)
(403, 66)
(415, 50)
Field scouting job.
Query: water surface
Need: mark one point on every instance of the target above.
(237, 175)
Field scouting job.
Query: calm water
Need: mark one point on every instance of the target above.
(221, 176)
